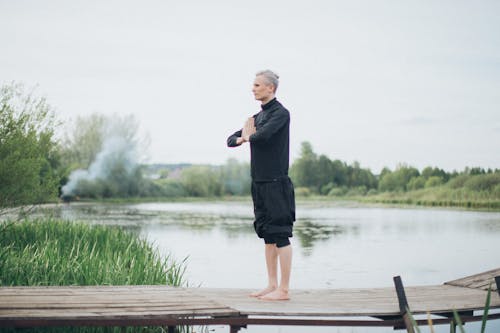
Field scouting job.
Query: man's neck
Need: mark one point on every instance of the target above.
(267, 100)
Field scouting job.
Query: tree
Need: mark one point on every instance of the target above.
(29, 156)
(340, 173)
(84, 141)
(325, 171)
(304, 170)
(361, 177)
(397, 180)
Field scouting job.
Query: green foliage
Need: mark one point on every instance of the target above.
(473, 188)
(304, 171)
(321, 175)
(434, 181)
(169, 188)
(50, 252)
(435, 172)
(397, 180)
(458, 181)
(483, 182)
(201, 181)
(357, 191)
(302, 192)
(29, 158)
(83, 140)
(325, 189)
(416, 183)
(359, 177)
(338, 191)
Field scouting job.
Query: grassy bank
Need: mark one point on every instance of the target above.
(437, 197)
(57, 253)
(425, 197)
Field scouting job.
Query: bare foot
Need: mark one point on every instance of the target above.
(263, 291)
(277, 295)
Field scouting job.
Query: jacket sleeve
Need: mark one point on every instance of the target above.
(277, 120)
(231, 140)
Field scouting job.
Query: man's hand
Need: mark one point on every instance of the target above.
(248, 129)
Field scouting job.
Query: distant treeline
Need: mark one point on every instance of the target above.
(98, 158)
(320, 175)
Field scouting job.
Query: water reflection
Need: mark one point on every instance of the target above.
(316, 224)
(233, 223)
(309, 233)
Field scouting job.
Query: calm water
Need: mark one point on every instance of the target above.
(335, 246)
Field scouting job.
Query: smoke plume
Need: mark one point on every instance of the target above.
(117, 158)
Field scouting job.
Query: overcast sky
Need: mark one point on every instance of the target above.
(379, 82)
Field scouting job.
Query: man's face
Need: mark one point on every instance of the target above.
(262, 90)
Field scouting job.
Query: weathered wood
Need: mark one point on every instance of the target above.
(168, 306)
(478, 281)
(354, 302)
(404, 308)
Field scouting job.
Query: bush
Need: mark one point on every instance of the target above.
(29, 154)
(325, 189)
(433, 181)
(201, 181)
(458, 181)
(496, 191)
(302, 192)
(416, 183)
(359, 190)
(171, 188)
(397, 181)
(483, 182)
(337, 191)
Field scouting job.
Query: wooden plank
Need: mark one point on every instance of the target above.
(51, 304)
(111, 313)
(115, 304)
(355, 302)
(478, 281)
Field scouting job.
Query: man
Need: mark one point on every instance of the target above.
(272, 190)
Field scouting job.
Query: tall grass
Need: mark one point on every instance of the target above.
(440, 196)
(57, 253)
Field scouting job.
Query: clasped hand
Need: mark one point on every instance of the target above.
(248, 130)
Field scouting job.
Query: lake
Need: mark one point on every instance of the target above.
(336, 245)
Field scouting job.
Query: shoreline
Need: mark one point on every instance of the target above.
(345, 201)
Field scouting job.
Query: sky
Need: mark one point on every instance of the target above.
(379, 82)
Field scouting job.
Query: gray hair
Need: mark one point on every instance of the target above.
(270, 76)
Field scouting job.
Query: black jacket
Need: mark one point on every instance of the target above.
(269, 145)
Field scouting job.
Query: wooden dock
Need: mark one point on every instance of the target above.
(170, 307)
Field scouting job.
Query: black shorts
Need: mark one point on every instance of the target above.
(277, 239)
(274, 208)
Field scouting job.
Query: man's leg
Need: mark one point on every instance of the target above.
(285, 258)
(272, 270)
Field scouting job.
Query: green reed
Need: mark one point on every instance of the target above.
(57, 253)
(51, 252)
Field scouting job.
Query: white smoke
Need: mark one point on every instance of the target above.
(118, 148)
